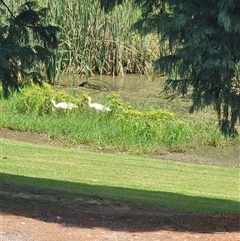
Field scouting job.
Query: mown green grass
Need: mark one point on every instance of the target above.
(118, 179)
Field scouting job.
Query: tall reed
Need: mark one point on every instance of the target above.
(95, 42)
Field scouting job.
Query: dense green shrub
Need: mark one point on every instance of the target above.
(35, 100)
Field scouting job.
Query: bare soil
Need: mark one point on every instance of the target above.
(78, 222)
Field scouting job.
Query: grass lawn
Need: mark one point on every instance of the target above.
(89, 177)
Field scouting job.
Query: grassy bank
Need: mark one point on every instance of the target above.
(81, 176)
(127, 127)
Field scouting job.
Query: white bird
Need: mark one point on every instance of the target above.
(96, 106)
(63, 105)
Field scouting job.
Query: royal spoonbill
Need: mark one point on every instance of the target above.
(96, 106)
(63, 105)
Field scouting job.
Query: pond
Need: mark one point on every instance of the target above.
(138, 88)
(132, 87)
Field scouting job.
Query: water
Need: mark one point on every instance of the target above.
(132, 87)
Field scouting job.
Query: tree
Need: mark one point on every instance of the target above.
(203, 51)
(26, 43)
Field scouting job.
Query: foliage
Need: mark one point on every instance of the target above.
(203, 50)
(200, 51)
(117, 104)
(93, 41)
(26, 44)
(34, 99)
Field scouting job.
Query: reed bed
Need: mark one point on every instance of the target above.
(94, 42)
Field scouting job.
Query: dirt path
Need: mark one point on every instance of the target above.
(114, 223)
(99, 222)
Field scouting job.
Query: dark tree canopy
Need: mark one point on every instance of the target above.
(201, 51)
(25, 44)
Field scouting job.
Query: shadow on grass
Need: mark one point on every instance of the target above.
(99, 206)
